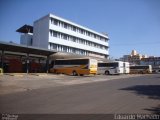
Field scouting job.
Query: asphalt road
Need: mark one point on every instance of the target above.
(127, 95)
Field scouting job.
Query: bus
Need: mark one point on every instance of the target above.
(75, 67)
(141, 69)
(126, 66)
(116, 67)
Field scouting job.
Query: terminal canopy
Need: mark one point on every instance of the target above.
(25, 49)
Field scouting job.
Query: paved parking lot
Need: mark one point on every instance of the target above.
(11, 83)
(61, 94)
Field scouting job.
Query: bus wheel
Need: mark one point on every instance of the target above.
(74, 73)
(106, 72)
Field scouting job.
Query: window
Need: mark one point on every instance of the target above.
(52, 20)
(64, 48)
(74, 28)
(82, 52)
(69, 27)
(112, 64)
(55, 22)
(65, 25)
(102, 64)
(54, 34)
(81, 31)
(54, 46)
(87, 43)
(88, 33)
(74, 39)
(98, 37)
(51, 32)
(65, 36)
(74, 50)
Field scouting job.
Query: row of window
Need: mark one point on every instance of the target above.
(76, 39)
(76, 29)
(108, 64)
(72, 62)
(71, 50)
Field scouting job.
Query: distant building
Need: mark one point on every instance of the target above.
(134, 53)
(154, 61)
(55, 33)
(133, 58)
(137, 59)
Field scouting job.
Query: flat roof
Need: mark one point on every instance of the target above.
(25, 29)
(25, 49)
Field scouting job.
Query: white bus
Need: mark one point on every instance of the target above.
(126, 67)
(141, 69)
(116, 67)
(84, 66)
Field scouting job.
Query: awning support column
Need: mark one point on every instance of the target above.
(2, 60)
(47, 64)
(27, 63)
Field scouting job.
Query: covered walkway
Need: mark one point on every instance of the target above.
(21, 58)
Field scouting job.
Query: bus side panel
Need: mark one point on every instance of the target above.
(64, 69)
(83, 71)
(93, 66)
(80, 70)
(126, 68)
(120, 69)
(101, 70)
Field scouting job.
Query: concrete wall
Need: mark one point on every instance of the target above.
(26, 39)
(41, 32)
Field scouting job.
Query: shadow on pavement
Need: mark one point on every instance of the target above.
(151, 91)
(154, 110)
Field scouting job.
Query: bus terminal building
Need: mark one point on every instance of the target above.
(51, 35)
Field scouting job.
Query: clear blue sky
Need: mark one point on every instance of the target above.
(130, 24)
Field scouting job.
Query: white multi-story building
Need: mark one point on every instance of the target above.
(55, 33)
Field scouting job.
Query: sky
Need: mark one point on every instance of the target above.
(130, 24)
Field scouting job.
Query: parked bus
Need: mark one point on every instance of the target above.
(156, 69)
(126, 67)
(142, 69)
(75, 67)
(117, 67)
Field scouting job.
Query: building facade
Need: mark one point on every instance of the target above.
(55, 33)
(134, 58)
(154, 61)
